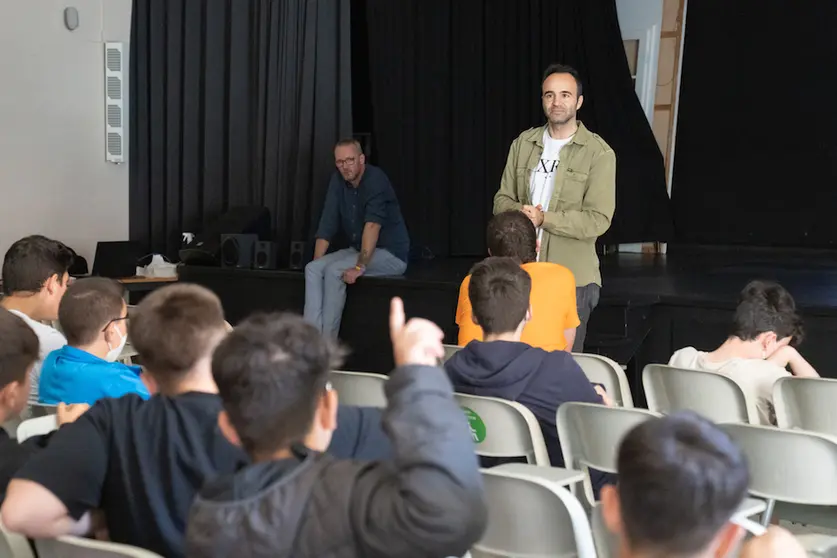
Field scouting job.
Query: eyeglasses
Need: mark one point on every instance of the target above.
(345, 162)
(114, 320)
(755, 529)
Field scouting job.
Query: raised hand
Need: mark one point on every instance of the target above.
(69, 413)
(417, 341)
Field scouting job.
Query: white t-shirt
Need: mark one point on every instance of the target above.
(49, 339)
(756, 377)
(542, 181)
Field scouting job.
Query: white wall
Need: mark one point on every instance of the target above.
(54, 179)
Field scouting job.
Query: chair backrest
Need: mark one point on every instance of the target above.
(362, 389)
(528, 516)
(36, 427)
(788, 465)
(502, 428)
(76, 547)
(715, 396)
(590, 436)
(806, 403)
(607, 544)
(42, 409)
(602, 370)
(450, 350)
(13, 545)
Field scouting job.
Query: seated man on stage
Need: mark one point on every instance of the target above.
(361, 201)
(554, 316)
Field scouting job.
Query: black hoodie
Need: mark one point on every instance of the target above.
(537, 379)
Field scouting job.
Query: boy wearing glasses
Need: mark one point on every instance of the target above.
(94, 317)
(361, 203)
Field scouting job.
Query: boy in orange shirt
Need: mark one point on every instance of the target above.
(554, 314)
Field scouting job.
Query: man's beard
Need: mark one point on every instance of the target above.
(560, 120)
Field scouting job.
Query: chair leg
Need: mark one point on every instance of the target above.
(768, 513)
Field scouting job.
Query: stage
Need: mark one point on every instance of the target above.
(651, 305)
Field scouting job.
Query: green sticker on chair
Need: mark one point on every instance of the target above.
(476, 424)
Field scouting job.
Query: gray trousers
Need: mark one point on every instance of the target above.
(325, 291)
(586, 299)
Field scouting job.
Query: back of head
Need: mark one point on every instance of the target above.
(681, 478)
(174, 327)
(87, 307)
(512, 235)
(270, 371)
(18, 348)
(499, 293)
(31, 261)
(764, 307)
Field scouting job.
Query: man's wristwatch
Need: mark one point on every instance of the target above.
(360, 268)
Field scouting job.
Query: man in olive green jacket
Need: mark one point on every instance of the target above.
(563, 177)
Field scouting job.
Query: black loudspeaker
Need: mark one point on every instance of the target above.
(297, 255)
(264, 256)
(205, 248)
(237, 250)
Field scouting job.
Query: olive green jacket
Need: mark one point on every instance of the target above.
(582, 203)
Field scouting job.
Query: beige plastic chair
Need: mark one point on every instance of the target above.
(806, 403)
(796, 468)
(36, 427)
(362, 389)
(76, 547)
(533, 516)
(450, 350)
(602, 370)
(715, 396)
(502, 428)
(590, 435)
(13, 545)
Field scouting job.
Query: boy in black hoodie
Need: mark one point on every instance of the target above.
(502, 366)
(295, 501)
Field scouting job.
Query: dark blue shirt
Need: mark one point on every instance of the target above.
(373, 201)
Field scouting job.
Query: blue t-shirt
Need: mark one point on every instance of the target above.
(70, 375)
(373, 201)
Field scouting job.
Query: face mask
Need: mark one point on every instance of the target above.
(114, 353)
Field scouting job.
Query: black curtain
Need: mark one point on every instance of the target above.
(756, 157)
(452, 83)
(235, 102)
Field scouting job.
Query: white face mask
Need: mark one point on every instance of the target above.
(114, 352)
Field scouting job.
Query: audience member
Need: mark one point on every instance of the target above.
(18, 354)
(554, 313)
(760, 347)
(681, 479)
(503, 366)
(140, 462)
(775, 543)
(93, 315)
(34, 280)
(272, 374)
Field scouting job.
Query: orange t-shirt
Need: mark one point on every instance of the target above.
(553, 308)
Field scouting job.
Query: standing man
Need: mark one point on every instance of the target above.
(563, 177)
(361, 201)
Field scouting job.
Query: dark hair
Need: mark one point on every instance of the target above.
(349, 141)
(88, 306)
(31, 261)
(563, 69)
(174, 327)
(19, 348)
(681, 478)
(499, 294)
(511, 234)
(270, 372)
(765, 306)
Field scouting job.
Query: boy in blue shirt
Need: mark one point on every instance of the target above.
(93, 316)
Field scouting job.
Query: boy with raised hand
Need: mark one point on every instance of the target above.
(296, 501)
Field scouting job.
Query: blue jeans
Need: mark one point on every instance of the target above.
(325, 291)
